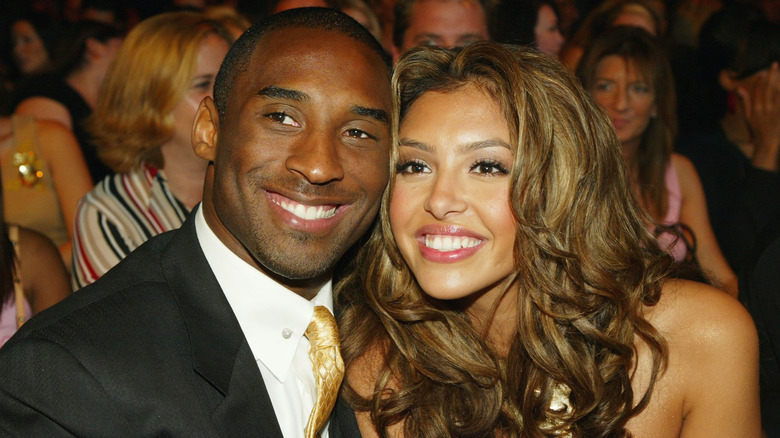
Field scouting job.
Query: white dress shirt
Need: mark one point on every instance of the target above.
(274, 320)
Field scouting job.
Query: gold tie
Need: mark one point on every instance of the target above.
(328, 367)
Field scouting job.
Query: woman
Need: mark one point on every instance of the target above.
(628, 74)
(141, 127)
(529, 23)
(32, 276)
(512, 288)
(44, 176)
(69, 93)
(33, 36)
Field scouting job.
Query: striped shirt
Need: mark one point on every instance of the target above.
(123, 211)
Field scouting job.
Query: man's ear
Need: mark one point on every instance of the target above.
(205, 130)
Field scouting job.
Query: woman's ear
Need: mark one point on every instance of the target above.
(205, 130)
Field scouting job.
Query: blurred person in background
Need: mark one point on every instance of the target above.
(229, 18)
(363, 14)
(44, 177)
(639, 13)
(32, 275)
(69, 93)
(734, 141)
(141, 126)
(529, 22)
(628, 74)
(33, 37)
(443, 23)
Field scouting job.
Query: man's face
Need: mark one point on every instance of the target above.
(301, 157)
(445, 23)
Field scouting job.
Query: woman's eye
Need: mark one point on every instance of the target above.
(358, 133)
(281, 117)
(205, 85)
(489, 167)
(412, 167)
(641, 88)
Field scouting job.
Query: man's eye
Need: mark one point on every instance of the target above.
(281, 117)
(358, 133)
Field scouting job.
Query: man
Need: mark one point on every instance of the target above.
(444, 23)
(200, 332)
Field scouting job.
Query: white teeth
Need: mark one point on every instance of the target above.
(450, 243)
(308, 213)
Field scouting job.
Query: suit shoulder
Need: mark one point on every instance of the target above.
(140, 271)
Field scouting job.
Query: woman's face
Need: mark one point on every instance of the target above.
(627, 97)
(29, 52)
(548, 37)
(210, 55)
(449, 210)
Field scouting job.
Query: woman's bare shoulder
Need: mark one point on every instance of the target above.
(710, 384)
(700, 314)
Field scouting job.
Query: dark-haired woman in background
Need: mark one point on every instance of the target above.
(69, 92)
(627, 73)
(33, 36)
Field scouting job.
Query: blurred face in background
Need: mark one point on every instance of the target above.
(445, 23)
(29, 52)
(627, 96)
(548, 36)
(210, 55)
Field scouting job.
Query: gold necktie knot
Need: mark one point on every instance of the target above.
(323, 335)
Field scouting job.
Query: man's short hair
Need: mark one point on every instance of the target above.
(237, 60)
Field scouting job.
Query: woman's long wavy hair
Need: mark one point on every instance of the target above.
(643, 53)
(149, 75)
(585, 268)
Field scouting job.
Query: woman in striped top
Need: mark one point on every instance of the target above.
(141, 126)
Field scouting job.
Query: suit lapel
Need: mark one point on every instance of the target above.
(220, 353)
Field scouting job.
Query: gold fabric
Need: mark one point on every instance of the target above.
(328, 367)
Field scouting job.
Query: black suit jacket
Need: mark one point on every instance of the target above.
(151, 349)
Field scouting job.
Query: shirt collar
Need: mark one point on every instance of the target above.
(272, 317)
